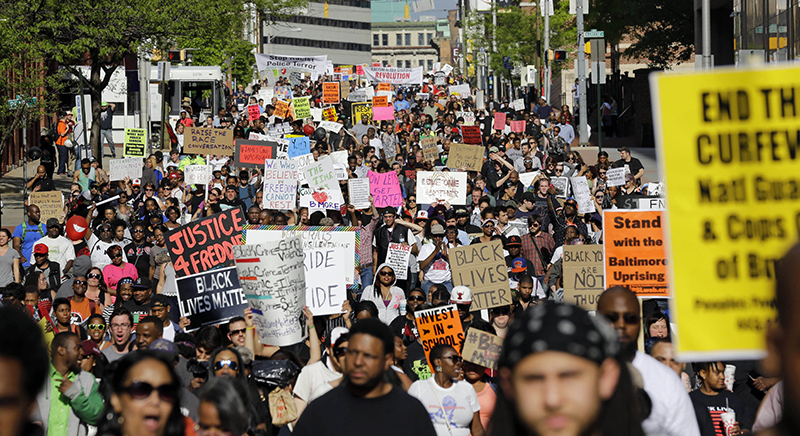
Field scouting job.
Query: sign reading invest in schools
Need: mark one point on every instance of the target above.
(728, 150)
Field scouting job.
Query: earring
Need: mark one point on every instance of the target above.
(438, 369)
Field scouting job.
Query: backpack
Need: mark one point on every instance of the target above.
(25, 230)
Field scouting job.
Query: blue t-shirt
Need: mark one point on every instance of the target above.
(33, 234)
(401, 105)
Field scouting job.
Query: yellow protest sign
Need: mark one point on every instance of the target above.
(281, 109)
(358, 109)
(728, 151)
(329, 113)
(302, 108)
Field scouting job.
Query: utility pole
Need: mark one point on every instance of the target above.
(494, 47)
(546, 84)
(144, 91)
(706, 18)
(583, 131)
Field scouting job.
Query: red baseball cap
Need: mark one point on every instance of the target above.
(41, 249)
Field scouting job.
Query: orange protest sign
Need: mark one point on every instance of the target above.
(440, 325)
(380, 101)
(281, 109)
(330, 93)
(384, 87)
(634, 252)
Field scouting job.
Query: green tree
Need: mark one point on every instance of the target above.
(101, 33)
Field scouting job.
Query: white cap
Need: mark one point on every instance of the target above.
(461, 295)
(136, 182)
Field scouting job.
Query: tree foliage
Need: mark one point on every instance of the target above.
(101, 33)
(662, 31)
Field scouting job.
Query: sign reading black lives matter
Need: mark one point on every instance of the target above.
(205, 244)
(210, 298)
(482, 268)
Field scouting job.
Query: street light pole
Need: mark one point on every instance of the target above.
(583, 130)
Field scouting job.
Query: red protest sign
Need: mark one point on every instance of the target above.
(205, 244)
(500, 121)
(251, 154)
(471, 135)
(518, 126)
(253, 112)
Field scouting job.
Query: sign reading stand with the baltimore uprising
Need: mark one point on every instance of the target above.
(728, 150)
(634, 252)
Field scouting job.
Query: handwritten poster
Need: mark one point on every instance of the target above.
(465, 157)
(397, 257)
(441, 186)
(482, 268)
(385, 189)
(325, 284)
(280, 184)
(273, 280)
(358, 191)
(482, 348)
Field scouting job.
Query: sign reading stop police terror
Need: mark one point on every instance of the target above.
(732, 201)
(634, 252)
(482, 268)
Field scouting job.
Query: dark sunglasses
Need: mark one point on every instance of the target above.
(455, 358)
(497, 311)
(416, 298)
(223, 363)
(142, 390)
(236, 332)
(97, 326)
(339, 352)
(93, 276)
(386, 273)
(629, 318)
(39, 255)
(114, 256)
(138, 231)
(79, 282)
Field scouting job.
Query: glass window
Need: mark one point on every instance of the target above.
(430, 64)
(385, 39)
(430, 37)
(408, 64)
(376, 39)
(408, 39)
(421, 63)
(399, 39)
(421, 37)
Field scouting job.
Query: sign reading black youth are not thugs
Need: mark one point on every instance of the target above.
(205, 244)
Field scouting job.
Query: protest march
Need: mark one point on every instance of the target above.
(340, 250)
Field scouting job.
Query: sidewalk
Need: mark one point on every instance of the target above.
(12, 186)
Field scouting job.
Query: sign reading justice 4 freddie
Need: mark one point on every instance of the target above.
(634, 252)
(732, 201)
(205, 244)
(482, 268)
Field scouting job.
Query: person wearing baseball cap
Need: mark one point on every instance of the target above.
(634, 165)
(60, 247)
(230, 199)
(434, 261)
(43, 264)
(514, 247)
(461, 296)
(142, 301)
(489, 230)
(161, 309)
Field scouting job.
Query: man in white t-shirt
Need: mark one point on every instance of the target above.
(672, 411)
(434, 260)
(60, 248)
(323, 371)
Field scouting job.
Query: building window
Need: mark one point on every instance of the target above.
(422, 63)
(408, 39)
(430, 64)
(385, 63)
(385, 39)
(408, 64)
(399, 39)
(376, 39)
(421, 37)
(430, 37)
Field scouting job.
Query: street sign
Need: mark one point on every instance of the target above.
(594, 33)
(13, 104)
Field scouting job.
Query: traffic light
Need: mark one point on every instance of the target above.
(559, 55)
(177, 55)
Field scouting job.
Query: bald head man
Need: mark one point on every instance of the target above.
(620, 307)
(41, 181)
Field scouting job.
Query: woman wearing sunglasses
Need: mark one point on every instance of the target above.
(385, 294)
(118, 269)
(96, 327)
(227, 363)
(462, 413)
(144, 398)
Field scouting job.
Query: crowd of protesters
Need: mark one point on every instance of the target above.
(92, 341)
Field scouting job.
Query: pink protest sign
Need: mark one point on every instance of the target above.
(518, 126)
(383, 113)
(360, 70)
(253, 112)
(500, 121)
(385, 189)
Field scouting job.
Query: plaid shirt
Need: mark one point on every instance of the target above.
(365, 241)
(529, 251)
